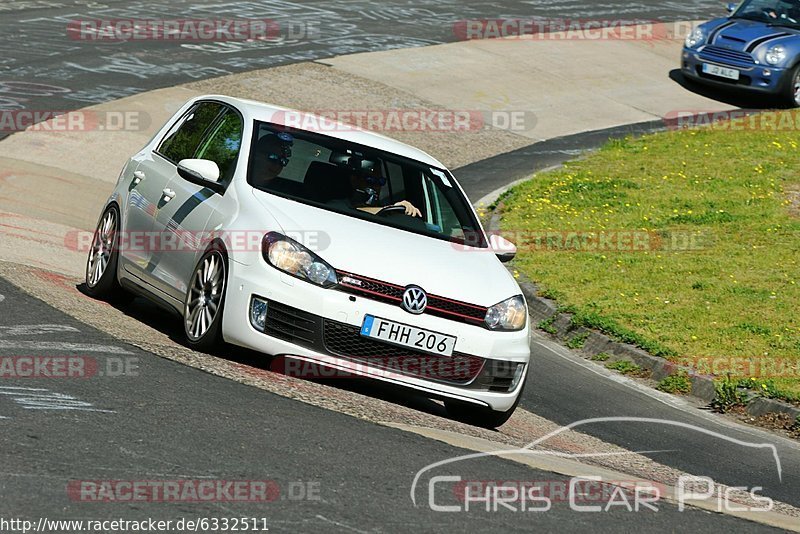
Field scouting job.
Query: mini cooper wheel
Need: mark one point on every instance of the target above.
(792, 91)
(202, 311)
(101, 265)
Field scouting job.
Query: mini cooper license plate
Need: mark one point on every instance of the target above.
(408, 336)
(722, 72)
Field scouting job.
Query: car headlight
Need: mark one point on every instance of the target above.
(291, 257)
(510, 314)
(695, 38)
(775, 55)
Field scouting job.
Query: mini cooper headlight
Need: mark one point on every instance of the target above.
(775, 55)
(291, 257)
(510, 314)
(695, 38)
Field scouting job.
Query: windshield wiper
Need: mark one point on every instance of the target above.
(747, 17)
(791, 25)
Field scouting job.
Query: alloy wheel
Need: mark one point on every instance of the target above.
(102, 248)
(205, 296)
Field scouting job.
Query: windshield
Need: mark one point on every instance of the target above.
(776, 12)
(361, 182)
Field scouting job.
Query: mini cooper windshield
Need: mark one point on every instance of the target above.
(775, 12)
(361, 182)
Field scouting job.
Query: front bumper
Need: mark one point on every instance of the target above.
(753, 77)
(323, 328)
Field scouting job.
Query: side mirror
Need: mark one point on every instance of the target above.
(201, 172)
(504, 249)
(731, 7)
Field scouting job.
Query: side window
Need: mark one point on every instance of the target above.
(182, 141)
(222, 145)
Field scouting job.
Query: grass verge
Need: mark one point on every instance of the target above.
(684, 243)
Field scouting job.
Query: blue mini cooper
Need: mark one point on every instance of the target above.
(755, 49)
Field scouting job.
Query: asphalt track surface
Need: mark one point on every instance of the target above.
(144, 418)
(172, 421)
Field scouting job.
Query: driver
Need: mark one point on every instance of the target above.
(787, 9)
(272, 154)
(367, 192)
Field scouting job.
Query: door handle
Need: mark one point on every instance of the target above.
(138, 176)
(169, 194)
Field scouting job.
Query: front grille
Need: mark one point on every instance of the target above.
(290, 324)
(346, 341)
(393, 294)
(450, 308)
(725, 55)
(370, 288)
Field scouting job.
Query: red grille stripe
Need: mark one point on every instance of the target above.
(470, 313)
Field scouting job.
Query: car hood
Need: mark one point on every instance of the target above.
(746, 35)
(396, 256)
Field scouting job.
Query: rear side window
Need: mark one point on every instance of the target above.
(184, 139)
(222, 144)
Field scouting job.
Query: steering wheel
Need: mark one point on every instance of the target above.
(392, 210)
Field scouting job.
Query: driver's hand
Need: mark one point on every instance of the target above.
(410, 209)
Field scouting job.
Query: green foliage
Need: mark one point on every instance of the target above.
(547, 325)
(578, 341)
(677, 383)
(624, 367)
(729, 394)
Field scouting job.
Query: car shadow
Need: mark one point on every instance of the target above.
(724, 95)
(168, 323)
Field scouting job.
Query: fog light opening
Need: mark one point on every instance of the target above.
(517, 376)
(258, 313)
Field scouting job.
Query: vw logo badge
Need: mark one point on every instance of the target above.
(415, 300)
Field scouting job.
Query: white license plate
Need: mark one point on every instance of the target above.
(722, 72)
(408, 336)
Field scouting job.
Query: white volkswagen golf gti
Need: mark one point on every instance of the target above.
(329, 245)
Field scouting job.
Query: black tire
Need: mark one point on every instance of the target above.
(479, 416)
(101, 263)
(206, 333)
(791, 91)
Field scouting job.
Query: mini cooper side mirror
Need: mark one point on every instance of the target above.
(199, 171)
(504, 249)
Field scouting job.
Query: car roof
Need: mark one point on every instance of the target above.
(255, 110)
